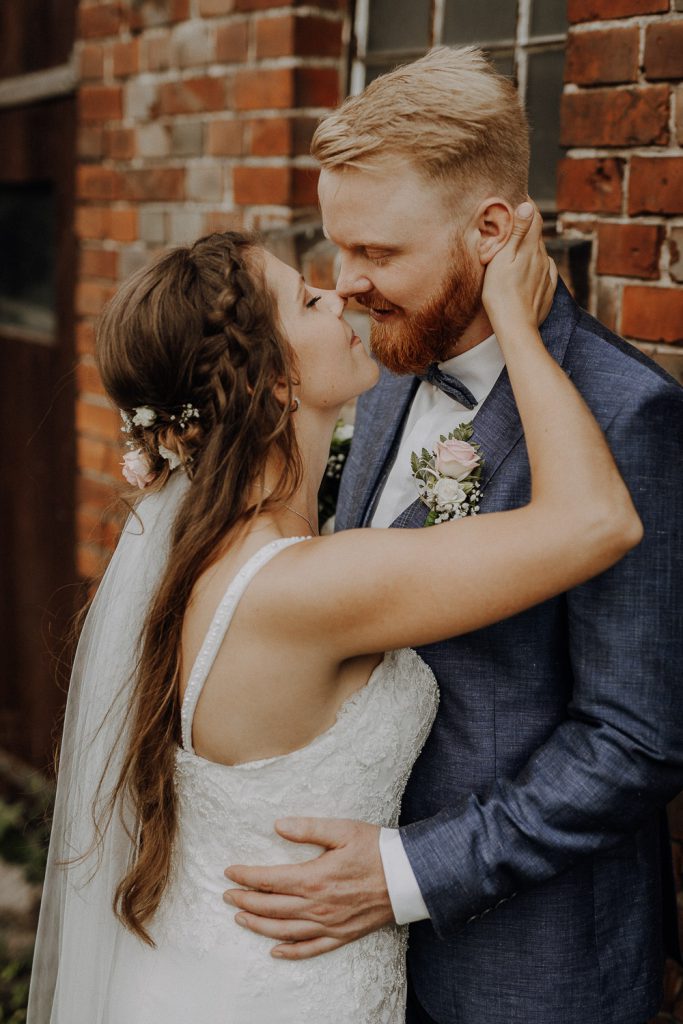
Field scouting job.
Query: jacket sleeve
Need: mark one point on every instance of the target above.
(619, 753)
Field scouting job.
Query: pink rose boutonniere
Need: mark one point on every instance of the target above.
(447, 478)
(137, 470)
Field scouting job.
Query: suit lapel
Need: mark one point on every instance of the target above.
(382, 417)
(497, 426)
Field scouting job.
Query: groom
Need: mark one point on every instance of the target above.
(532, 856)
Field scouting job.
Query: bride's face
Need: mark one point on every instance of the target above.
(333, 365)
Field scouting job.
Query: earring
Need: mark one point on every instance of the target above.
(296, 404)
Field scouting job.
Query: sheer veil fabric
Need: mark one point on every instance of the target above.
(77, 931)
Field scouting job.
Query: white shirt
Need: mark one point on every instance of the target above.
(431, 414)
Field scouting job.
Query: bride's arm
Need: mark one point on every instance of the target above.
(373, 590)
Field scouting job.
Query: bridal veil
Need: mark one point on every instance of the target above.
(77, 930)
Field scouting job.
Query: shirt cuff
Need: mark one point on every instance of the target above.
(404, 892)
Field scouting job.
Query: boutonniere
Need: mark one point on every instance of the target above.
(447, 478)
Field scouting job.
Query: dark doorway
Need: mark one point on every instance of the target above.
(37, 572)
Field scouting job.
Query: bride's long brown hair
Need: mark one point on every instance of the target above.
(196, 332)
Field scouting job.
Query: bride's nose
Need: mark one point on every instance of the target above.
(335, 302)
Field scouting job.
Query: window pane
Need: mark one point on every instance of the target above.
(401, 25)
(503, 61)
(544, 89)
(548, 17)
(373, 71)
(483, 21)
(27, 235)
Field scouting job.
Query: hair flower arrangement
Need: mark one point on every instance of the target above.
(447, 478)
(137, 469)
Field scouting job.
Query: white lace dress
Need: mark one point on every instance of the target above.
(205, 968)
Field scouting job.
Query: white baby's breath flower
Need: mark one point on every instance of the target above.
(144, 416)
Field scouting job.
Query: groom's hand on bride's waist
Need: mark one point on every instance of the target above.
(320, 904)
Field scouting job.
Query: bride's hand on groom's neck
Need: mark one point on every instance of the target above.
(321, 904)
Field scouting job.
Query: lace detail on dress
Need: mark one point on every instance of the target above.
(357, 769)
(218, 628)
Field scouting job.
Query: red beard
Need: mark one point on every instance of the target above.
(411, 343)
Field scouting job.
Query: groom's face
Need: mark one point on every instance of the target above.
(407, 257)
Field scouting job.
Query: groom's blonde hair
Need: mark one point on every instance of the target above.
(450, 113)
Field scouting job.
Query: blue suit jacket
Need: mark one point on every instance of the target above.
(531, 819)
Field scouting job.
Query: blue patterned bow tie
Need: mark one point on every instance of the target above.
(450, 386)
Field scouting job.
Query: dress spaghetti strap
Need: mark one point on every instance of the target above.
(218, 628)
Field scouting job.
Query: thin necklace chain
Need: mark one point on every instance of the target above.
(299, 514)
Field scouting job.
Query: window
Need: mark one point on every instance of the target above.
(27, 289)
(524, 38)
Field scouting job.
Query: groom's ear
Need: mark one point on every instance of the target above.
(493, 221)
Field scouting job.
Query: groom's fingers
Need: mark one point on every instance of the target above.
(266, 904)
(283, 931)
(287, 879)
(306, 950)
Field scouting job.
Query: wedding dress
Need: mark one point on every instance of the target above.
(205, 968)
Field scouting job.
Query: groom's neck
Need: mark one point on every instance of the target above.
(479, 330)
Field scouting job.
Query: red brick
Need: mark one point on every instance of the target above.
(119, 143)
(90, 562)
(99, 457)
(282, 136)
(90, 144)
(232, 42)
(155, 184)
(100, 102)
(664, 50)
(225, 138)
(92, 61)
(126, 58)
(101, 20)
(271, 89)
(655, 185)
(123, 224)
(88, 379)
(92, 297)
(601, 10)
(317, 87)
(97, 420)
(194, 94)
(223, 220)
(636, 116)
(85, 337)
(269, 186)
(318, 37)
(271, 136)
(590, 186)
(305, 36)
(156, 53)
(212, 8)
(264, 5)
(630, 250)
(602, 56)
(99, 263)
(652, 314)
(98, 183)
(305, 186)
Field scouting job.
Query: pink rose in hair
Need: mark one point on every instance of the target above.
(456, 459)
(136, 469)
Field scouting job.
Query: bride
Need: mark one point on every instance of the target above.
(229, 671)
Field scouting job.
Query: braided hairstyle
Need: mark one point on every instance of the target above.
(196, 330)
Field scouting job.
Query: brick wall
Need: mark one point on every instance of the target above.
(621, 183)
(195, 115)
